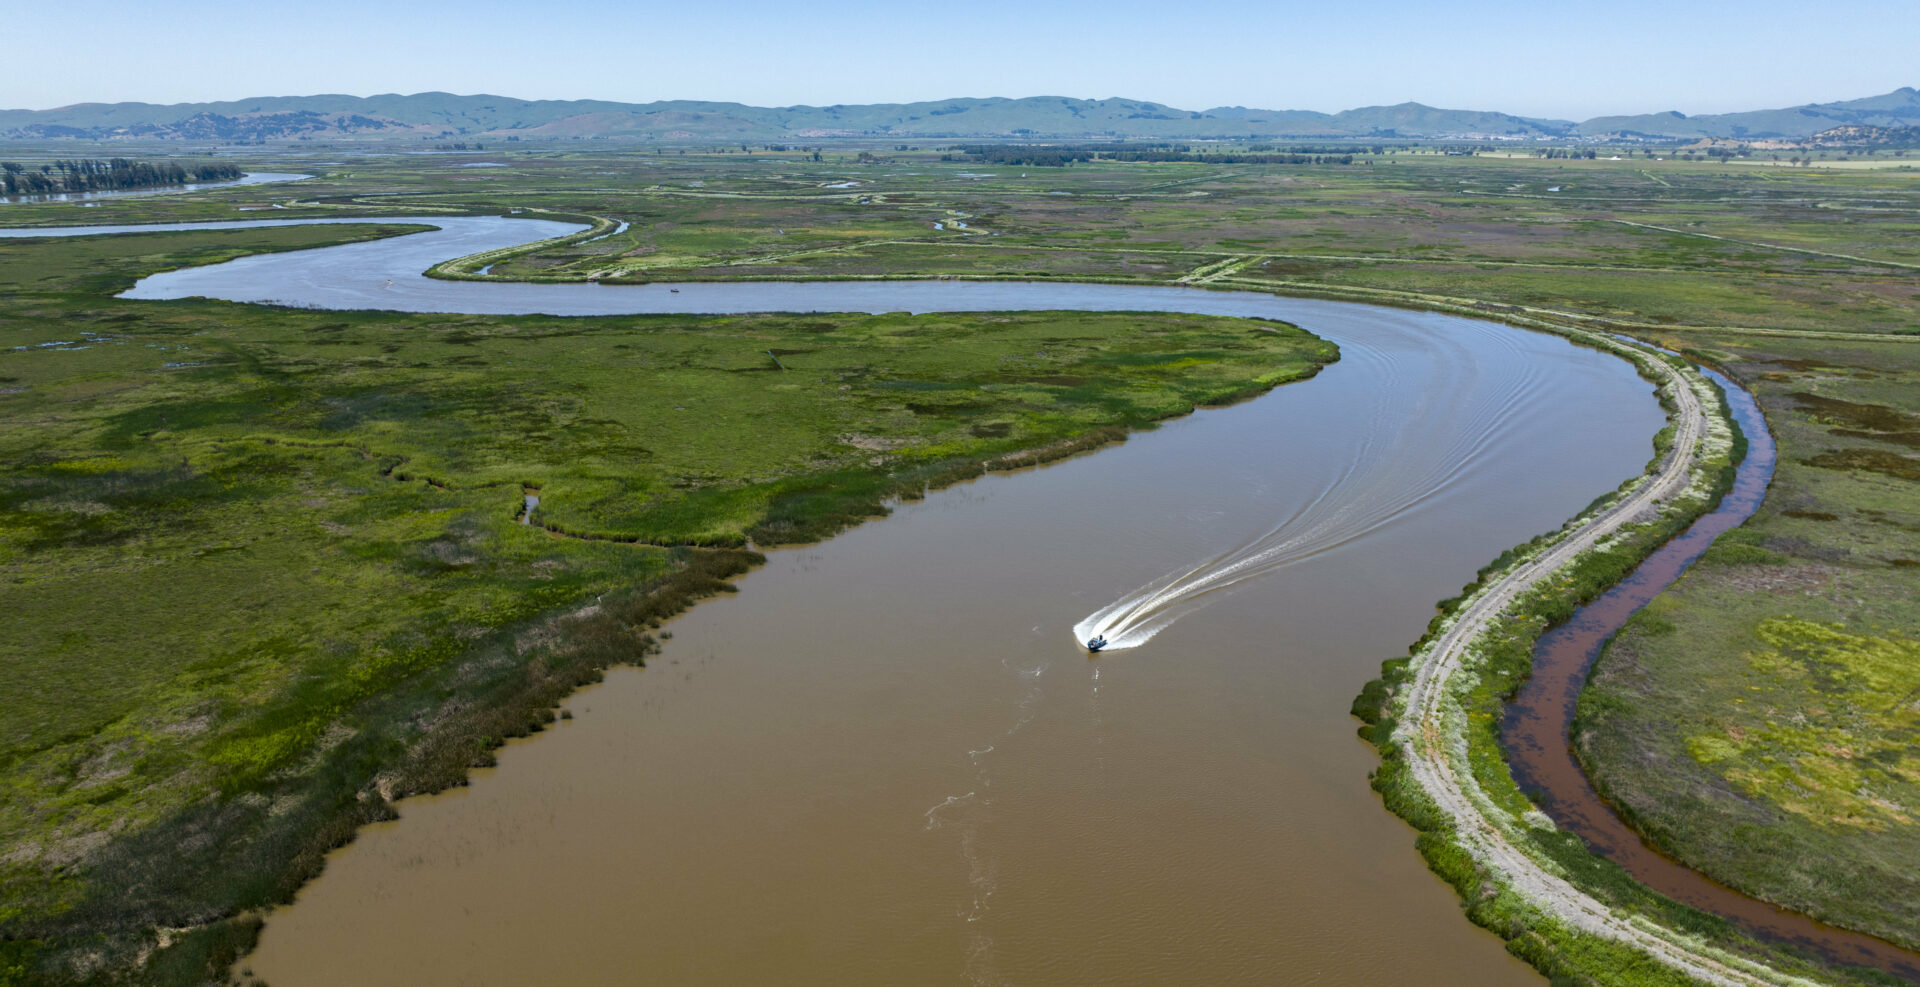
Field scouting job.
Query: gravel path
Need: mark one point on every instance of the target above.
(1432, 727)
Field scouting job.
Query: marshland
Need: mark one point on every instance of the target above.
(278, 579)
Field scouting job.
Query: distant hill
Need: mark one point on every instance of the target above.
(1900, 108)
(446, 115)
(1855, 135)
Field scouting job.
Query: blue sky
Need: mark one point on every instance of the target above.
(1560, 59)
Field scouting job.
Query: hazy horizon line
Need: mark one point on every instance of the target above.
(1572, 118)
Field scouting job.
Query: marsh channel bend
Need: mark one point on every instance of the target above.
(886, 761)
(1535, 729)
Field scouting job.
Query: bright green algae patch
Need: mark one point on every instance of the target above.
(275, 567)
(1760, 720)
(1499, 661)
(1843, 762)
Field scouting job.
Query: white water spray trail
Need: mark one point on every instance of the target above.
(1408, 454)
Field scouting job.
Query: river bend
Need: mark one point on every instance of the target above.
(885, 761)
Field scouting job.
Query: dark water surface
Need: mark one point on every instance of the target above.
(885, 760)
(1538, 723)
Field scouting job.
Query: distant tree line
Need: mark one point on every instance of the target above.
(1320, 149)
(93, 175)
(1015, 155)
(789, 148)
(1060, 156)
(1229, 157)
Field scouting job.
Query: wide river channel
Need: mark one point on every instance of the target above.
(885, 760)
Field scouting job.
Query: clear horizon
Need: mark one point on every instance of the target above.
(1569, 62)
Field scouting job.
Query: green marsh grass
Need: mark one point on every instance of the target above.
(275, 564)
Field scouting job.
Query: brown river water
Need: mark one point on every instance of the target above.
(886, 759)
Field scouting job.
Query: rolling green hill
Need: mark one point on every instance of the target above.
(445, 114)
(438, 114)
(1900, 108)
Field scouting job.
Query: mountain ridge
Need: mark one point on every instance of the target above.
(439, 114)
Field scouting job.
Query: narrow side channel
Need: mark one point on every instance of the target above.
(1538, 723)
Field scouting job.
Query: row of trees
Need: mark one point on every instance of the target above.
(1319, 149)
(116, 174)
(1022, 157)
(1229, 158)
(1062, 156)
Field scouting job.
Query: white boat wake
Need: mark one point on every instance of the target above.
(1415, 453)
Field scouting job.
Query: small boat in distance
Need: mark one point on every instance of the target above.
(1099, 641)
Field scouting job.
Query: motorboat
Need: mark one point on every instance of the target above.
(1099, 641)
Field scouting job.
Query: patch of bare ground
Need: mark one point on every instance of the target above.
(1801, 578)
